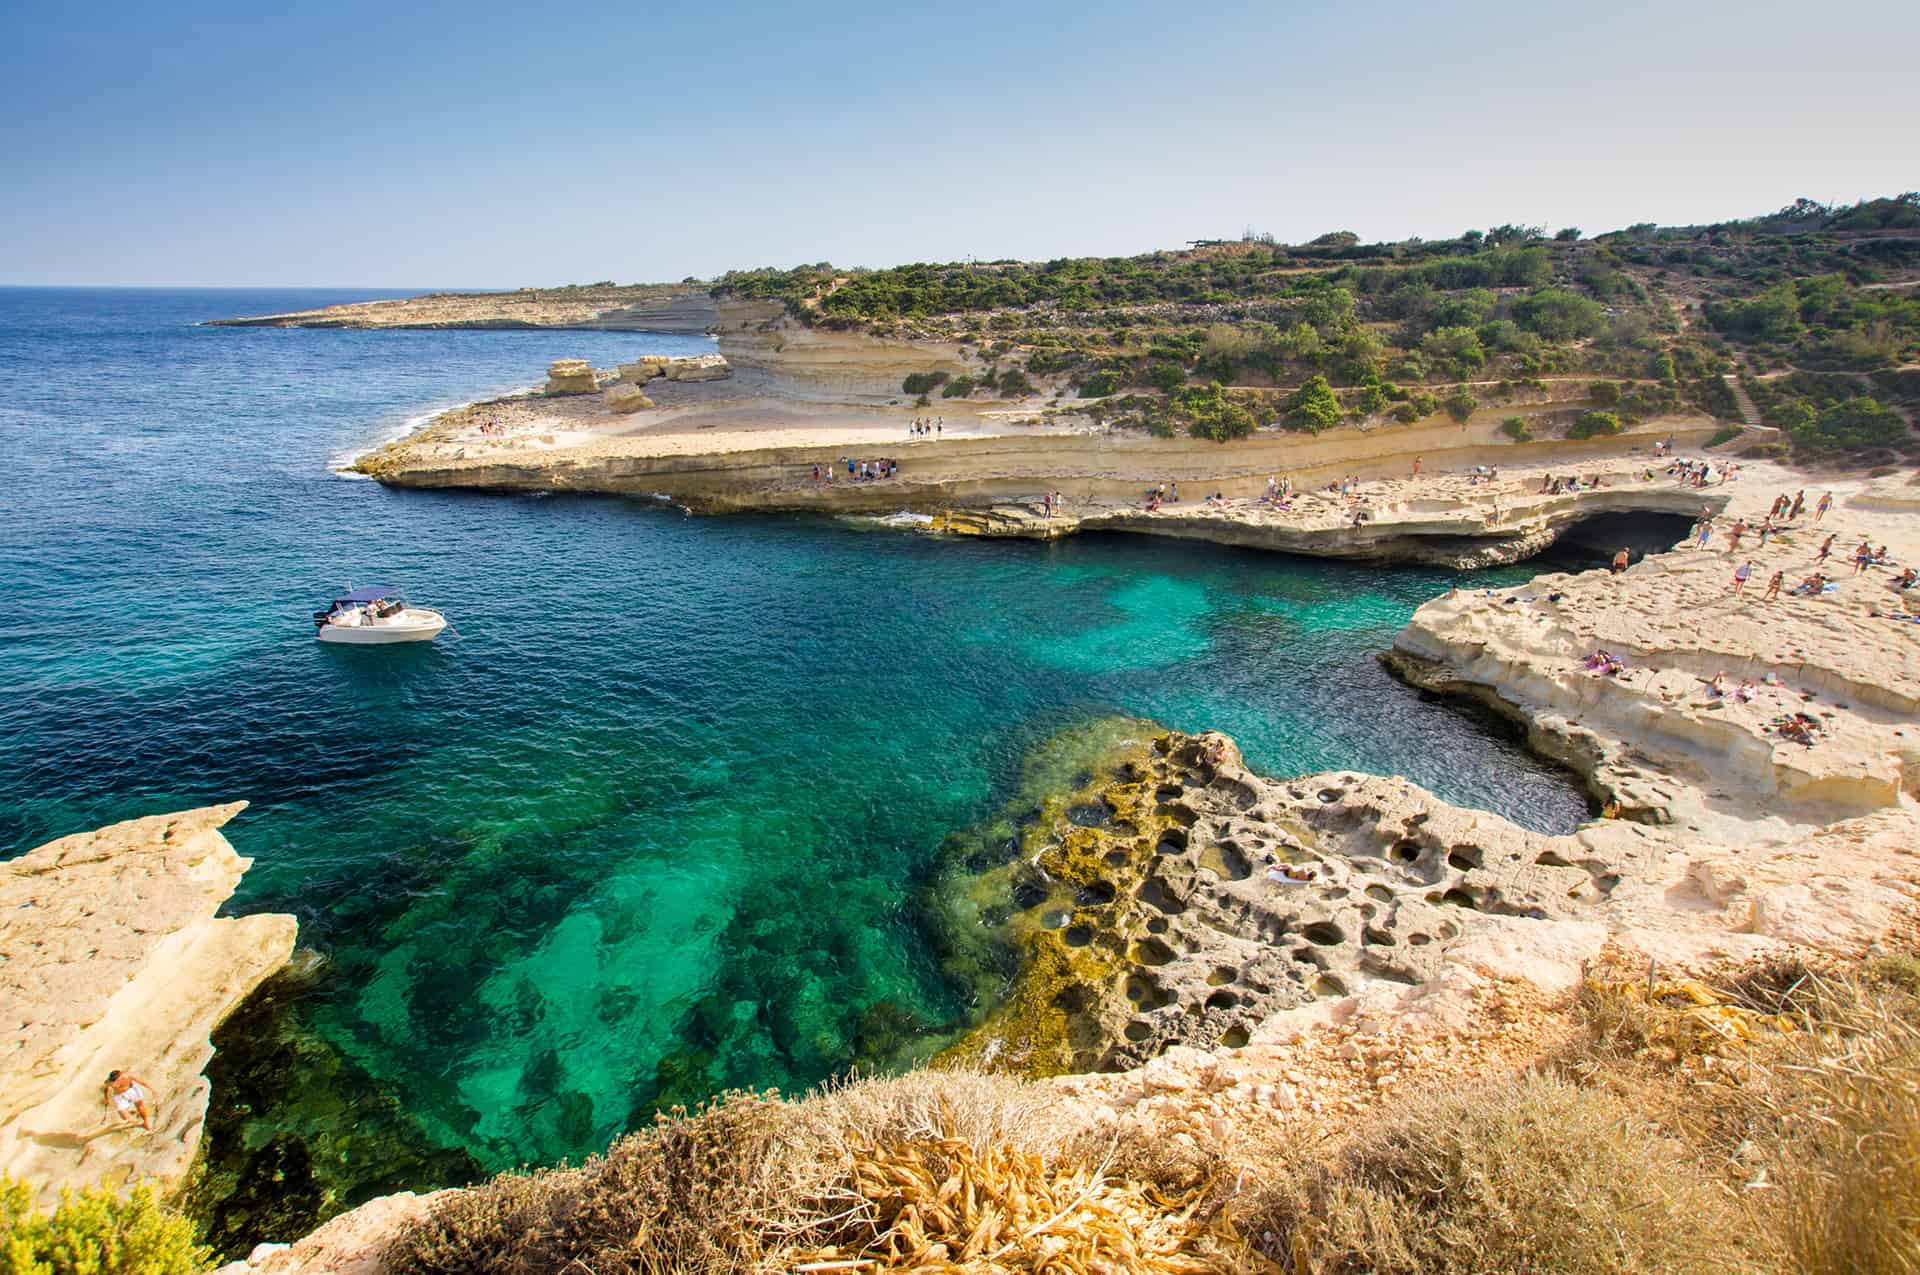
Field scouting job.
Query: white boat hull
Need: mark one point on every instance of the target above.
(415, 624)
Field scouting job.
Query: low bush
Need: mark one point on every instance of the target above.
(1014, 383)
(1515, 427)
(1725, 434)
(1460, 404)
(1100, 384)
(95, 1232)
(1405, 413)
(958, 387)
(923, 382)
(1594, 425)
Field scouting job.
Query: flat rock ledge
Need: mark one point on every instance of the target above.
(111, 957)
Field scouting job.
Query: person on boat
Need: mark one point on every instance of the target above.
(129, 1097)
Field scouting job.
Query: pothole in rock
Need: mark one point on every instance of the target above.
(1137, 1031)
(1464, 858)
(1223, 1000)
(1151, 951)
(1173, 841)
(1222, 975)
(1328, 985)
(1157, 925)
(1548, 859)
(1324, 933)
(1055, 919)
(1460, 899)
(1029, 894)
(1380, 892)
(1225, 861)
(1155, 894)
(1116, 858)
(1328, 796)
(1090, 814)
(1078, 935)
(1094, 894)
(1235, 1037)
(1406, 852)
(1167, 792)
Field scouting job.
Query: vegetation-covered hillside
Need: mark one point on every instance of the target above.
(1815, 307)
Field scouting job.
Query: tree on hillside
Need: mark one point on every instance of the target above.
(1313, 406)
(1567, 234)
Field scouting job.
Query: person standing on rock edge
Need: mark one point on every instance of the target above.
(128, 1096)
(1416, 466)
(1620, 561)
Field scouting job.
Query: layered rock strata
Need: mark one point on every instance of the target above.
(571, 376)
(114, 959)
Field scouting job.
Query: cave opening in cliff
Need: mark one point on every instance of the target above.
(1593, 541)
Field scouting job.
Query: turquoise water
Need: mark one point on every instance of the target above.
(651, 823)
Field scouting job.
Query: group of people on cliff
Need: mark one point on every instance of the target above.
(858, 471)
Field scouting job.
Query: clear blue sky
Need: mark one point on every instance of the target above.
(488, 144)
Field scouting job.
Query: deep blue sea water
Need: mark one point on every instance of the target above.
(649, 824)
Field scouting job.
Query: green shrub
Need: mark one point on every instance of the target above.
(1100, 384)
(1166, 377)
(1405, 413)
(1725, 434)
(1594, 425)
(1015, 384)
(958, 387)
(1425, 404)
(1313, 406)
(1558, 315)
(1855, 422)
(1209, 413)
(95, 1232)
(1605, 393)
(1047, 362)
(1460, 404)
(923, 382)
(1515, 427)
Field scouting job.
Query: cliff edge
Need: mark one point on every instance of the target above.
(111, 957)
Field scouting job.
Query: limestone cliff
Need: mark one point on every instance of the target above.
(114, 959)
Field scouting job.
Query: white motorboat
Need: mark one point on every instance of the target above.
(375, 616)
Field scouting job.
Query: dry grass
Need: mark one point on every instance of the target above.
(1532, 1174)
(1767, 1121)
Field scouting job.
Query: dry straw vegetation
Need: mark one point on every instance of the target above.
(1765, 1121)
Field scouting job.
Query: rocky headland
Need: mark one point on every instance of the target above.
(600, 307)
(112, 957)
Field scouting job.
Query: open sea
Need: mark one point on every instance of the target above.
(648, 824)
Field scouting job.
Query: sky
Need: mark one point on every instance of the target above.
(480, 144)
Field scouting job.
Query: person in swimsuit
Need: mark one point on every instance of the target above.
(129, 1096)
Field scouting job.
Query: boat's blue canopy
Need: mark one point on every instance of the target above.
(368, 593)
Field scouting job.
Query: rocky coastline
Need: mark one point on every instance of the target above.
(1175, 978)
(1177, 983)
(114, 959)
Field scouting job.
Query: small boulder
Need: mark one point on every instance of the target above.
(571, 376)
(701, 367)
(624, 398)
